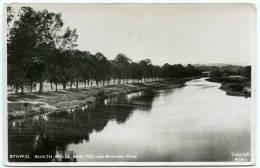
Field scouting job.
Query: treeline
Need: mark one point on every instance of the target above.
(227, 70)
(244, 71)
(38, 50)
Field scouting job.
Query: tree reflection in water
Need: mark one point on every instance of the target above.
(48, 135)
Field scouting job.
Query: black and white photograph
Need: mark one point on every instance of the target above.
(130, 84)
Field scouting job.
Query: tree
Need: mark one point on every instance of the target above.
(246, 72)
(68, 40)
(123, 59)
(22, 41)
(103, 68)
(38, 50)
(122, 64)
(136, 71)
(10, 17)
(48, 26)
(32, 38)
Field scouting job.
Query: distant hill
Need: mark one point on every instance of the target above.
(217, 64)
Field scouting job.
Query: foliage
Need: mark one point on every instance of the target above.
(38, 50)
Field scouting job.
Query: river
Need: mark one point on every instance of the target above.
(198, 122)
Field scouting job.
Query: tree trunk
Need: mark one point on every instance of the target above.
(70, 85)
(41, 86)
(51, 85)
(16, 89)
(97, 82)
(85, 83)
(22, 88)
(31, 86)
(91, 83)
(64, 85)
(77, 84)
(35, 86)
(56, 86)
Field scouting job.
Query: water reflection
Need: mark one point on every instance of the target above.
(45, 137)
(198, 122)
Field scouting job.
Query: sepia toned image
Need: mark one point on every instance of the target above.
(130, 84)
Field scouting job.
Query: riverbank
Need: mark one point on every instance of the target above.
(234, 86)
(31, 104)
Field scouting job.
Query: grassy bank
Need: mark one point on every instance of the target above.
(234, 86)
(30, 104)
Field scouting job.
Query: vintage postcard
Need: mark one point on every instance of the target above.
(129, 84)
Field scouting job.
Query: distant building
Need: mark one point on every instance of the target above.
(237, 76)
(205, 73)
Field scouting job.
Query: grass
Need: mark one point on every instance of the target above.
(29, 104)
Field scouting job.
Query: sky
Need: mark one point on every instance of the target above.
(164, 33)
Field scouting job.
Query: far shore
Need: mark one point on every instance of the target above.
(32, 103)
(234, 86)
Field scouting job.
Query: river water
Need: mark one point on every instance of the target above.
(198, 122)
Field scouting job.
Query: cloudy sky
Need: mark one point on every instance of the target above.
(173, 33)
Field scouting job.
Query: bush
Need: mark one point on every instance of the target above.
(236, 86)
